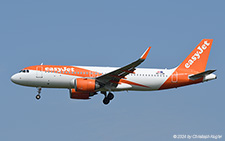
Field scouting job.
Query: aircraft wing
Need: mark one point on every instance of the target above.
(112, 78)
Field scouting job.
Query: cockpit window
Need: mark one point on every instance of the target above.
(24, 71)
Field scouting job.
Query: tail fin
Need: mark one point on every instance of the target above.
(197, 59)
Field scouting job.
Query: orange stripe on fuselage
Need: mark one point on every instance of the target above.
(66, 70)
(132, 83)
(179, 78)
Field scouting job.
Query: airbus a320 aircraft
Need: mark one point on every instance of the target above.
(84, 82)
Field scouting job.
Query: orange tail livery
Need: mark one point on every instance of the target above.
(198, 58)
(195, 63)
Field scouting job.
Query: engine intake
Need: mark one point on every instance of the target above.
(85, 85)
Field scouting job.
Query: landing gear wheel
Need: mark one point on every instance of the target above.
(38, 97)
(106, 100)
(110, 96)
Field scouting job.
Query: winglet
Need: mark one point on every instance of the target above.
(145, 54)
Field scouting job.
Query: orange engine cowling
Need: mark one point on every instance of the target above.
(78, 95)
(85, 85)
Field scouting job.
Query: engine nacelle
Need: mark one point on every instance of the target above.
(78, 95)
(85, 85)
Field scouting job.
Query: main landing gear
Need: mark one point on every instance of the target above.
(38, 96)
(107, 98)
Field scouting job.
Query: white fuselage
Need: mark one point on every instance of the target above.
(151, 78)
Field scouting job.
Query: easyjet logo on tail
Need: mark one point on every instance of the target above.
(197, 55)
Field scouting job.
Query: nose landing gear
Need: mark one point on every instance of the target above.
(38, 96)
(107, 98)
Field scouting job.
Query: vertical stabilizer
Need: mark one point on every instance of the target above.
(197, 59)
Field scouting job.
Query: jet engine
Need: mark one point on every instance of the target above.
(85, 85)
(78, 95)
(81, 95)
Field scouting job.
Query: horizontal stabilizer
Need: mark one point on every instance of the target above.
(201, 75)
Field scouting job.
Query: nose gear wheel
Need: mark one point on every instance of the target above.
(38, 96)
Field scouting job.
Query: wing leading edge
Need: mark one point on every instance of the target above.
(113, 78)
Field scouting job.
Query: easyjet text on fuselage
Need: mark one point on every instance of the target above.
(59, 69)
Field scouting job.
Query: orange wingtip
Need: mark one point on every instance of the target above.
(145, 54)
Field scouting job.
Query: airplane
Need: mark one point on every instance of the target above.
(84, 82)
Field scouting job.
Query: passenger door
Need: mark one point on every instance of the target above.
(174, 77)
(39, 72)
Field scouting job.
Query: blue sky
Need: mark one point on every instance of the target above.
(109, 33)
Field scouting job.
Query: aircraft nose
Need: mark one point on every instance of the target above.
(15, 78)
